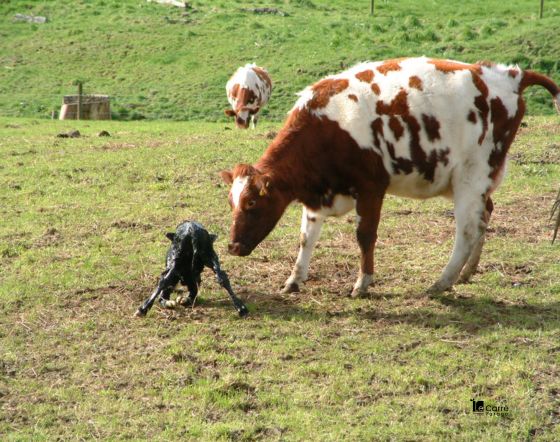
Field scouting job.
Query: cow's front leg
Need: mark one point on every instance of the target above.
(254, 120)
(472, 263)
(311, 224)
(470, 227)
(369, 212)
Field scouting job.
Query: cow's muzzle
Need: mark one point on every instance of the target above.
(239, 249)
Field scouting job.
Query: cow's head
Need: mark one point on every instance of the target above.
(257, 205)
(246, 105)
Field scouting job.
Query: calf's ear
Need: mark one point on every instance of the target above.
(229, 112)
(226, 176)
(170, 236)
(213, 237)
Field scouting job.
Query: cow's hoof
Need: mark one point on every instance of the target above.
(438, 288)
(291, 287)
(139, 314)
(243, 311)
(358, 292)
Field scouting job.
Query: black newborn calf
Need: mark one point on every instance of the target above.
(192, 249)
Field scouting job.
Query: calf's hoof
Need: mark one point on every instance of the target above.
(290, 287)
(166, 303)
(139, 313)
(243, 311)
(185, 301)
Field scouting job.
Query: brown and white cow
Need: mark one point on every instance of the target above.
(248, 90)
(414, 127)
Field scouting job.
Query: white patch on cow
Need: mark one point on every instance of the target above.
(447, 97)
(236, 188)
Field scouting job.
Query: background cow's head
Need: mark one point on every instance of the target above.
(257, 206)
(246, 104)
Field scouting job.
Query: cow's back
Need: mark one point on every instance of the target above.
(424, 117)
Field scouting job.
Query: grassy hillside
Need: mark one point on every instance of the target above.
(82, 243)
(162, 62)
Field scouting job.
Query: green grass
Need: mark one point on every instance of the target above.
(156, 69)
(82, 244)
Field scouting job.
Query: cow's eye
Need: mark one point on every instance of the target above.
(251, 203)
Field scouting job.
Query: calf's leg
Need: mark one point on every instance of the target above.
(166, 284)
(223, 280)
(311, 224)
(369, 213)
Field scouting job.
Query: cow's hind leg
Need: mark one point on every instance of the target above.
(311, 224)
(369, 212)
(472, 262)
(470, 227)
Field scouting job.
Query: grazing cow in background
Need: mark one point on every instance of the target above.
(192, 249)
(248, 90)
(414, 127)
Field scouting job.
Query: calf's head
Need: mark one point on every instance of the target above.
(257, 205)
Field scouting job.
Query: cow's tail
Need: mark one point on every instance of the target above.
(531, 78)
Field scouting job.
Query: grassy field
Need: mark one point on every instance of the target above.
(82, 243)
(159, 62)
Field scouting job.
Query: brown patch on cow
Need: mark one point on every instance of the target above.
(513, 72)
(504, 130)
(449, 67)
(415, 82)
(263, 75)
(426, 165)
(472, 117)
(396, 127)
(324, 90)
(377, 129)
(481, 103)
(365, 76)
(234, 90)
(485, 63)
(431, 125)
(399, 164)
(246, 97)
(375, 88)
(389, 66)
(398, 106)
(242, 170)
(353, 97)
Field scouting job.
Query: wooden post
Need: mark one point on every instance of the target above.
(541, 9)
(372, 7)
(79, 113)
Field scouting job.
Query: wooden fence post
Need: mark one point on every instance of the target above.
(372, 7)
(541, 9)
(79, 113)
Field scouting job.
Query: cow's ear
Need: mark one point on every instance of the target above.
(170, 236)
(229, 112)
(213, 237)
(226, 176)
(264, 184)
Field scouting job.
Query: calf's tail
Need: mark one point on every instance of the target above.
(531, 78)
